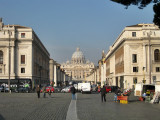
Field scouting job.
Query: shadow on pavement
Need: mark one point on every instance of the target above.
(1, 117)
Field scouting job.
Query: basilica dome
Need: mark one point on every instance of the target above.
(78, 57)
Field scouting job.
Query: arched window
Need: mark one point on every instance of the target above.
(156, 55)
(1, 57)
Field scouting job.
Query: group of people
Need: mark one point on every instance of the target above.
(73, 92)
(38, 90)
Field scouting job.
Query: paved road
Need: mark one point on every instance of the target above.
(90, 107)
(26, 106)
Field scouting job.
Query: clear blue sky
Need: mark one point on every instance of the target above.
(63, 25)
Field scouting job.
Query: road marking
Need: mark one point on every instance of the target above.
(72, 110)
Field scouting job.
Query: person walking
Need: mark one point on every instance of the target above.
(44, 91)
(49, 92)
(103, 93)
(38, 91)
(73, 91)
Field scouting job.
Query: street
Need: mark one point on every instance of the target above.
(27, 106)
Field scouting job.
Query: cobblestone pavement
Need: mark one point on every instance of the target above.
(90, 107)
(26, 106)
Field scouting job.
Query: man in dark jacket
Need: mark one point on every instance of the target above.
(38, 91)
(73, 91)
(103, 93)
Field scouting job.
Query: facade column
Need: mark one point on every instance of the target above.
(12, 61)
(55, 75)
(144, 57)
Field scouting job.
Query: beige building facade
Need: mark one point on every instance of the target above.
(78, 68)
(134, 57)
(57, 76)
(22, 56)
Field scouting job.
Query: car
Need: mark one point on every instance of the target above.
(57, 89)
(23, 90)
(4, 89)
(49, 88)
(108, 89)
(114, 88)
(1, 88)
(66, 89)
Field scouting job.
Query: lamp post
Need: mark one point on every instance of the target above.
(9, 72)
(144, 75)
(149, 40)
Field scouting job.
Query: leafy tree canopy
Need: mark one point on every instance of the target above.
(141, 4)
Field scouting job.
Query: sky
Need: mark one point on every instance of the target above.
(64, 25)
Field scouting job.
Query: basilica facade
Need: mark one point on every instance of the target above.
(78, 68)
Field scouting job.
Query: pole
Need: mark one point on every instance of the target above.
(149, 56)
(9, 62)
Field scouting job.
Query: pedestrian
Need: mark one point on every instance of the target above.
(73, 91)
(38, 91)
(44, 91)
(103, 93)
(117, 93)
(49, 92)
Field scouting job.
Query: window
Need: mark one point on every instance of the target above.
(156, 55)
(133, 34)
(1, 57)
(22, 59)
(135, 80)
(135, 69)
(134, 58)
(22, 70)
(0, 70)
(154, 78)
(157, 69)
(22, 35)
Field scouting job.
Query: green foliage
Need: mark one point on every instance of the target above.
(141, 4)
(156, 9)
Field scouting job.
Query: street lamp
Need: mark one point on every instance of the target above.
(9, 72)
(149, 40)
(144, 75)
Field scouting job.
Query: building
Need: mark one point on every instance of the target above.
(57, 76)
(133, 58)
(23, 57)
(94, 76)
(78, 68)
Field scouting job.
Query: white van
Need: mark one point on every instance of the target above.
(142, 88)
(79, 86)
(86, 87)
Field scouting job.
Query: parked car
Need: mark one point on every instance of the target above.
(114, 88)
(108, 89)
(23, 90)
(86, 88)
(57, 89)
(4, 89)
(1, 88)
(49, 88)
(66, 89)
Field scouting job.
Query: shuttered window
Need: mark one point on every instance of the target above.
(22, 35)
(1, 57)
(22, 59)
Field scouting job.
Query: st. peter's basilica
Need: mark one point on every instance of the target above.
(78, 68)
